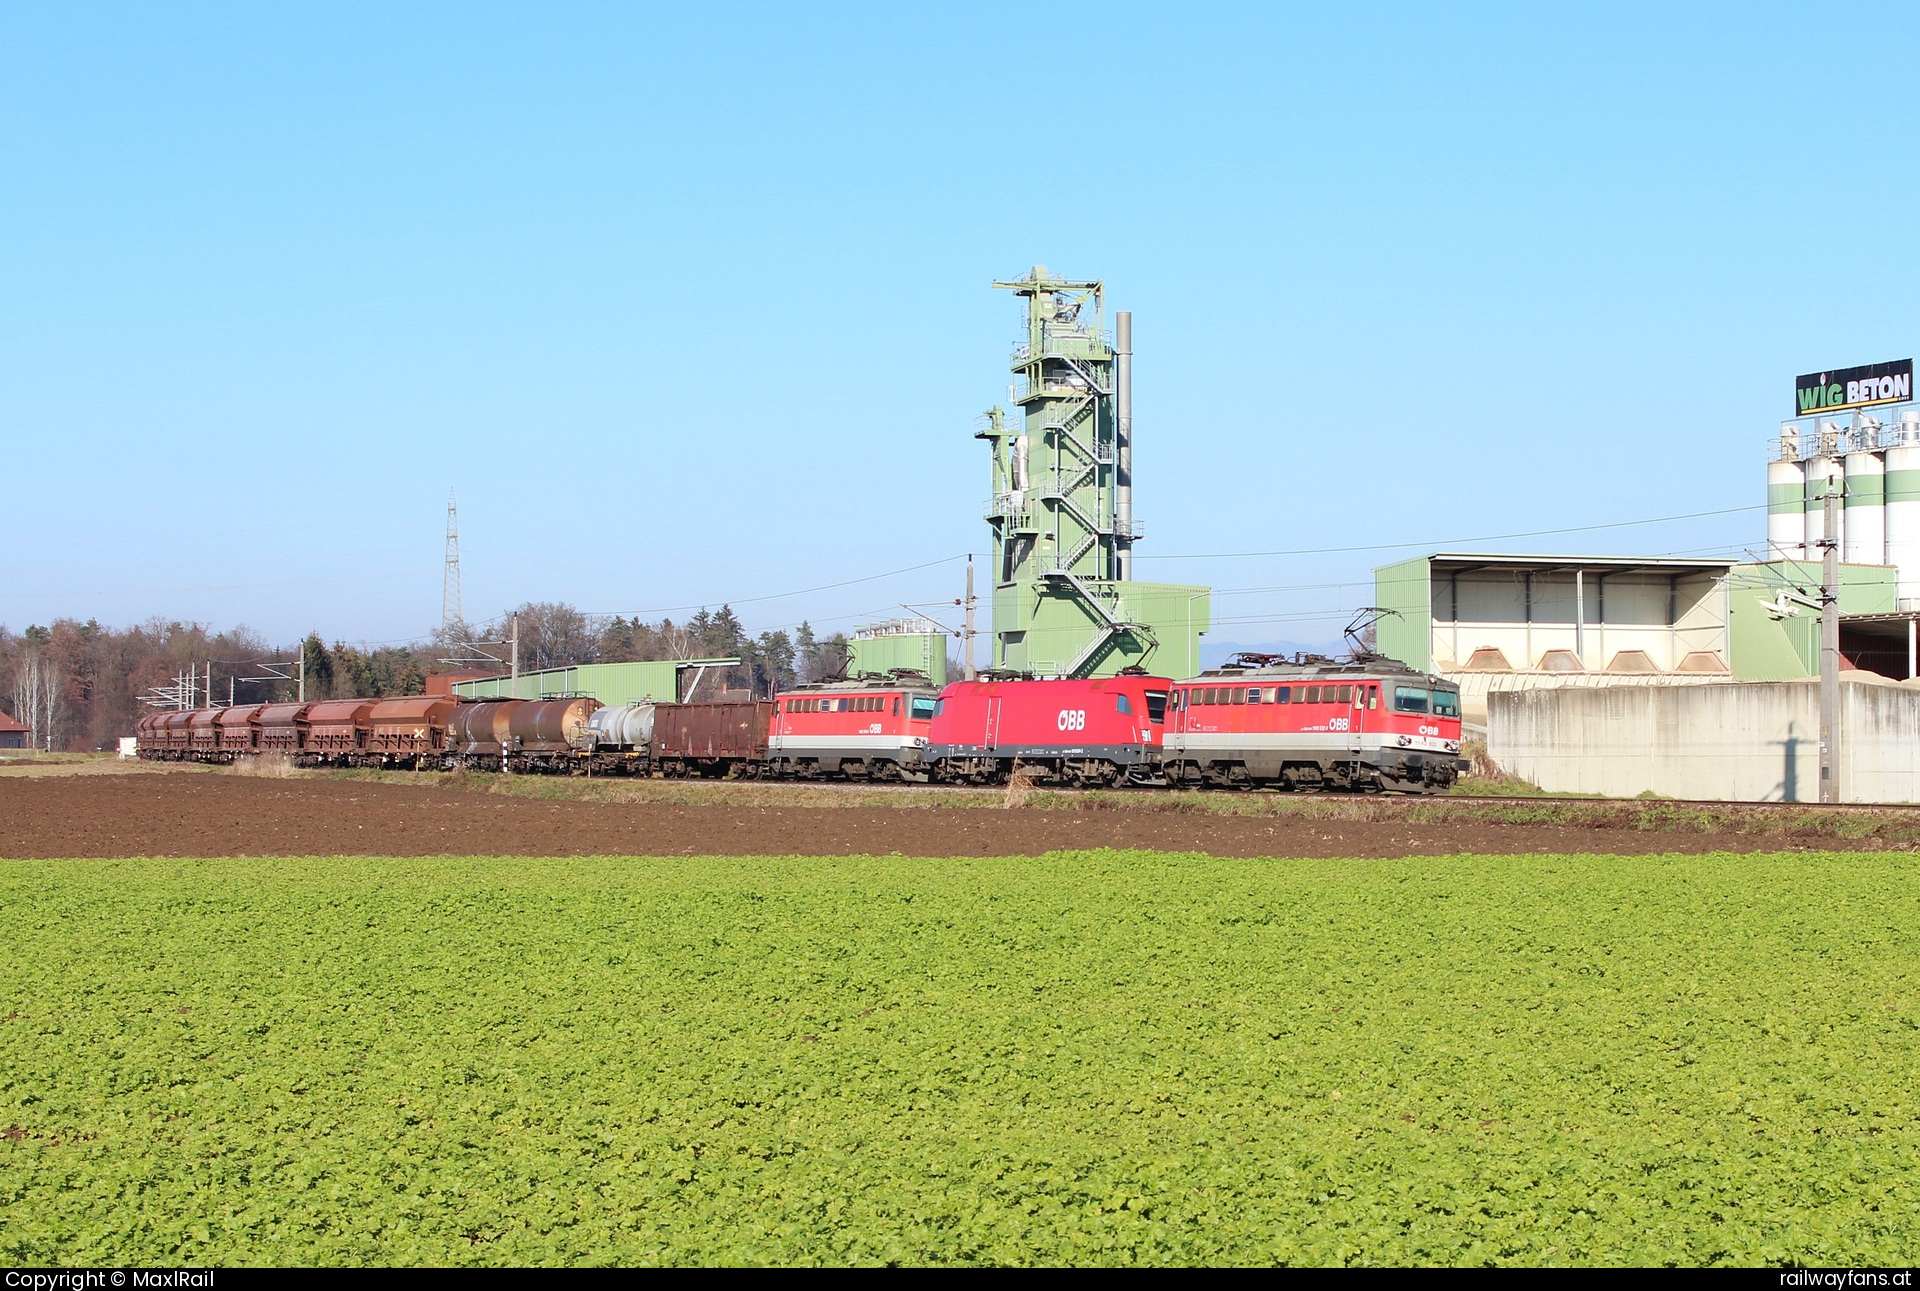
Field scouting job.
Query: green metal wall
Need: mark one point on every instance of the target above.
(1767, 649)
(610, 683)
(1406, 634)
(922, 651)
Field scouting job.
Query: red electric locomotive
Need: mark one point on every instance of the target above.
(870, 728)
(1309, 723)
(1088, 732)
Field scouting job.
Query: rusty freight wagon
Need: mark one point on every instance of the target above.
(403, 731)
(336, 730)
(173, 734)
(203, 734)
(283, 728)
(239, 731)
(712, 740)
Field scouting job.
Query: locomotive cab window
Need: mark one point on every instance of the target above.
(1410, 699)
(1156, 706)
(1120, 704)
(939, 706)
(1446, 703)
(924, 708)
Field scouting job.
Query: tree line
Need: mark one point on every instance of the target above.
(80, 686)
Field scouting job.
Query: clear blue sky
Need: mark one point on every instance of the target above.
(691, 303)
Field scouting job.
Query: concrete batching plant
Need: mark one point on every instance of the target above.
(1065, 603)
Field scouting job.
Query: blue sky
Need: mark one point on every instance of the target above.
(691, 304)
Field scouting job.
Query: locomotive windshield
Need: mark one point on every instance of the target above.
(1441, 701)
(922, 708)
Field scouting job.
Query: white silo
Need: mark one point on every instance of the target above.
(1903, 508)
(1825, 473)
(1866, 523)
(1787, 499)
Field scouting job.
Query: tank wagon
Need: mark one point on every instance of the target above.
(477, 734)
(619, 739)
(548, 734)
(1095, 732)
(1364, 724)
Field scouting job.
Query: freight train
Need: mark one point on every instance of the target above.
(1305, 723)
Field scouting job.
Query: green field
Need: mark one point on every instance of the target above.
(1089, 1057)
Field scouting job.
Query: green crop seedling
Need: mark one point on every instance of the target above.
(1086, 1057)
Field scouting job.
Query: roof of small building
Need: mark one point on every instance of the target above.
(1567, 564)
(8, 725)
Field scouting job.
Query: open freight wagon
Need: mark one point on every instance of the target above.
(711, 740)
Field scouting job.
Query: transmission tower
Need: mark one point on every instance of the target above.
(452, 621)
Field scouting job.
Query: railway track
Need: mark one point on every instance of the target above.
(1479, 800)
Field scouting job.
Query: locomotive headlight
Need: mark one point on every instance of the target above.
(1405, 740)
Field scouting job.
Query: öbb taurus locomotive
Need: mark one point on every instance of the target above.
(1259, 722)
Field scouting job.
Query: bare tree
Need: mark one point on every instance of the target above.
(552, 634)
(37, 697)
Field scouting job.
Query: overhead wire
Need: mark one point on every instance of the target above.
(1448, 542)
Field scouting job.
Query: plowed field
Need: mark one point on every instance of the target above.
(231, 815)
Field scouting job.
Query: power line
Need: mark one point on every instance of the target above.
(1449, 542)
(780, 596)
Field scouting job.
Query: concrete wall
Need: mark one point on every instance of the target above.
(1477, 687)
(1747, 741)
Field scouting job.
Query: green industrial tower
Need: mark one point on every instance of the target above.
(1064, 600)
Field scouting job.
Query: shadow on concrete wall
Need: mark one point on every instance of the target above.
(1790, 774)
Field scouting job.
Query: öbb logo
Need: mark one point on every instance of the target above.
(1072, 719)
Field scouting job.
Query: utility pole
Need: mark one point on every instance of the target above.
(303, 672)
(1829, 647)
(966, 631)
(516, 654)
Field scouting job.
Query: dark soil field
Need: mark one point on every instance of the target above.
(213, 814)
